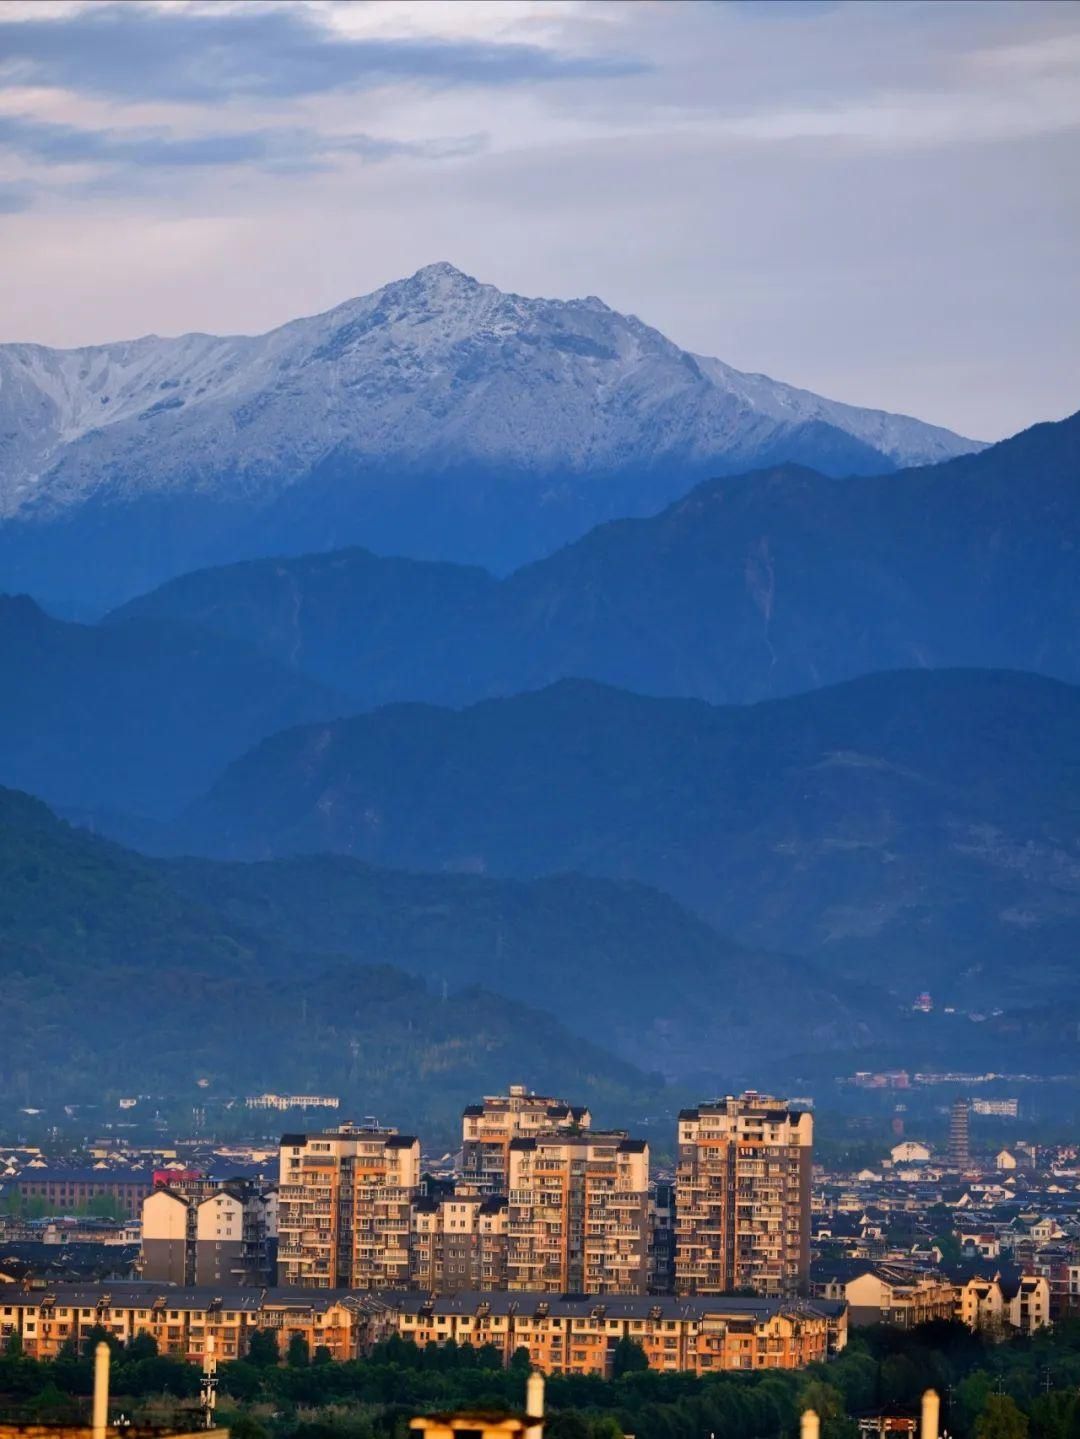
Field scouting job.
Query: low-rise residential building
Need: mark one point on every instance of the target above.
(578, 1334)
(563, 1334)
(64, 1191)
(891, 1294)
(181, 1320)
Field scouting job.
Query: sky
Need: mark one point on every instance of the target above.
(878, 201)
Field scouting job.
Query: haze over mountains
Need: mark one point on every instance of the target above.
(749, 587)
(791, 734)
(437, 417)
(393, 976)
(916, 828)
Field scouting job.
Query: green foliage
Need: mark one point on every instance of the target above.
(95, 939)
(262, 1348)
(629, 1358)
(1001, 1419)
(998, 1391)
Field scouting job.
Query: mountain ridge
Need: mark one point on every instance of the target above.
(748, 587)
(903, 821)
(436, 416)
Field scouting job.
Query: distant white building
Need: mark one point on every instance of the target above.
(910, 1151)
(293, 1101)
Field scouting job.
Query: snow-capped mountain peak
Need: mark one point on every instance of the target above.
(562, 411)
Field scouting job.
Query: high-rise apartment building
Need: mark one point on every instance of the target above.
(204, 1232)
(459, 1243)
(662, 1238)
(578, 1217)
(959, 1155)
(345, 1218)
(742, 1197)
(487, 1131)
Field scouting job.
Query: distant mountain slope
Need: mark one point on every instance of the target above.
(141, 715)
(437, 417)
(615, 960)
(924, 824)
(761, 585)
(114, 979)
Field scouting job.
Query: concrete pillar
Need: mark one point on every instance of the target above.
(809, 1425)
(101, 1390)
(534, 1405)
(931, 1415)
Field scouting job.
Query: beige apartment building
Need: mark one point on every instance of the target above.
(345, 1208)
(742, 1205)
(578, 1216)
(487, 1131)
(459, 1242)
(209, 1233)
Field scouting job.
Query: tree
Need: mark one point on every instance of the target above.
(93, 1338)
(628, 1358)
(142, 1346)
(262, 1350)
(298, 1355)
(1001, 1419)
(567, 1424)
(521, 1360)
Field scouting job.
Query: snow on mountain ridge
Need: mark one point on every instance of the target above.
(434, 369)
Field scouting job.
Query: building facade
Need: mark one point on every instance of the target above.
(578, 1334)
(562, 1335)
(578, 1214)
(459, 1242)
(742, 1197)
(65, 1191)
(210, 1233)
(487, 1131)
(345, 1215)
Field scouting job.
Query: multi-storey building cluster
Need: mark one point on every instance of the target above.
(742, 1197)
(548, 1205)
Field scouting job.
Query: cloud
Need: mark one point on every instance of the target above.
(50, 143)
(15, 196)
(137, 52)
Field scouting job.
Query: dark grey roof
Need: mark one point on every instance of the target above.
(581, 1306)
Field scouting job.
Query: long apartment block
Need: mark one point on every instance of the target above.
(572, 1335)
(742, 1197)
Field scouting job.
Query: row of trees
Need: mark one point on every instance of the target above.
(1023, 1389)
